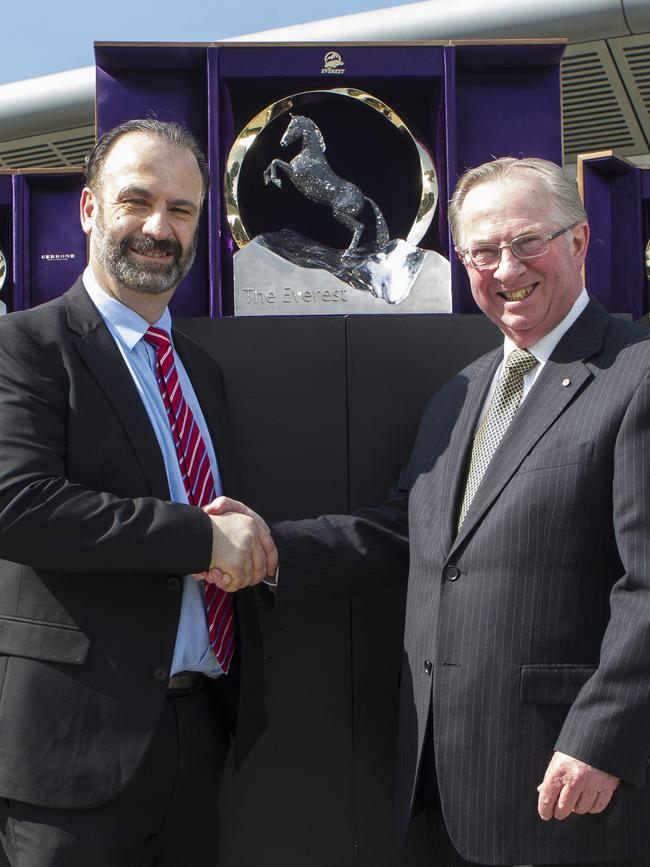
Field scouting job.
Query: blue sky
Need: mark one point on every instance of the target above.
(41, 36)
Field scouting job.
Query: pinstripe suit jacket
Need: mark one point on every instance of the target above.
(536, 616)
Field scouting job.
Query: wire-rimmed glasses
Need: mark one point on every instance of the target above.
(529, 246)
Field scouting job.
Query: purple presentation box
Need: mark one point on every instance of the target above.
(616, 195)
(466, 102)
(41, 234)
(168, 82)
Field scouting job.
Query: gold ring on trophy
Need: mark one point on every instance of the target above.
(248, 135)
(3, 269)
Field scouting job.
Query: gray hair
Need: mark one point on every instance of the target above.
(566, 203)
(171, 133)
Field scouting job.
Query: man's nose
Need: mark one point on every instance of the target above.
(509, 267)
(157, 225)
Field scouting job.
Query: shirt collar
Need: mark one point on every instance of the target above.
(128, 325)
(543, 349)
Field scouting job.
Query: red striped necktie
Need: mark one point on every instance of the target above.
(197, 477)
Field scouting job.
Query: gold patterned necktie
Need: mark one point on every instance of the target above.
(503, 406)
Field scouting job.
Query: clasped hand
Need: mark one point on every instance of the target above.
(243, 552)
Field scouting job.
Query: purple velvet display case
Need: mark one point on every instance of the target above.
(41, 234)
(169, 82)
(616, 195)
(465, 101)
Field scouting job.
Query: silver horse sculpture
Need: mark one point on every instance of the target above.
(311, 174)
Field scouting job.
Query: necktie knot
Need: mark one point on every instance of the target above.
(158, 338)
(520, 361)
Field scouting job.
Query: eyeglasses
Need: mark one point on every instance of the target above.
(487, 256)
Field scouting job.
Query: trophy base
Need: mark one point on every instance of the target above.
(285, 274)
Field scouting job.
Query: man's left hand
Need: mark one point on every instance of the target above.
(571, 786)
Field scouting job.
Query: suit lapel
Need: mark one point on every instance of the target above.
(95, 345)
(563, 377)
(460, 443)
(208, 389)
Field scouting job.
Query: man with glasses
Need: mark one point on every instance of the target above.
(525, 687)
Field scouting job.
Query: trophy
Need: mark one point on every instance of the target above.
(3, 277)
(287, 269)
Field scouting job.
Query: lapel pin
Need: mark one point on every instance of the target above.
(566, 381)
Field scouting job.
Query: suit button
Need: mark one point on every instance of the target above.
(173, 583)
(428, 666)
(160, 674)
(452, 573)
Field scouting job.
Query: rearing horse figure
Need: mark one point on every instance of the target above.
(310, 173)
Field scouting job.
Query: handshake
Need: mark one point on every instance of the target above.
(243, 552)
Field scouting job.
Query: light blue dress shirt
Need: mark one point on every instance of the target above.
(192, 651)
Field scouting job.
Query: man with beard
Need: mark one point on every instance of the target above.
(120, 671)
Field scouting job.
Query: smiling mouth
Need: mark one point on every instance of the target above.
(152, 254)
(518, 294)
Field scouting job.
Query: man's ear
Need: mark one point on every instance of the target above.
(87, 207)
(581, 242)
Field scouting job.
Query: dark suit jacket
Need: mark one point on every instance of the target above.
(529, 631)
(90, 588)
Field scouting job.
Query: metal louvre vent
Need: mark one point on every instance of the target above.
(596, 109)
(59, 149)
(632, 56)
